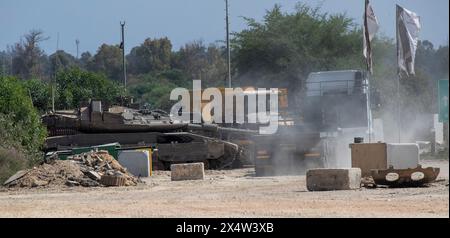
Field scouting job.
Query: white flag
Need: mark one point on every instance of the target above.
(408, 28)
(370, 29)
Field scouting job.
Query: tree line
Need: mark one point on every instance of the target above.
(154, 61)
(279, 51)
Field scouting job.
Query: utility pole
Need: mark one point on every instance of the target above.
(228, 44)
(122, 46)
(77, 42)
(56, 70)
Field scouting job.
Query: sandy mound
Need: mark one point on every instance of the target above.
(88, 169)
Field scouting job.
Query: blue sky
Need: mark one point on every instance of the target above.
(97, 21)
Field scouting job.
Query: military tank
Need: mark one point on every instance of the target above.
(175, 143)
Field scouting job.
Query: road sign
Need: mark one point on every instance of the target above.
(443, 100)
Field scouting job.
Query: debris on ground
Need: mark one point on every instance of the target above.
(368, 182)
(90, 169)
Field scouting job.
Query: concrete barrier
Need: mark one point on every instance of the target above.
(333, 179)
(137, 162)
(192, 171)
(402, 155)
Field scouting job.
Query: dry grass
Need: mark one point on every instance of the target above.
(11, 161)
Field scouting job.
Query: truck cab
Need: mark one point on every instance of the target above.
(337, 105)
(337, 100)
(332, 109)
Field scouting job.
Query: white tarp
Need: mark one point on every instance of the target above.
(371, 27)
(408, 28)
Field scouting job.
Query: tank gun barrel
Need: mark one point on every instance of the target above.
(219, 129)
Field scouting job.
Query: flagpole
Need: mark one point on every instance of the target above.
(368, 52)
(398, 106)
(398, 79)
(227, 22)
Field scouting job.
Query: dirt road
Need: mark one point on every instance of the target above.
(235, 193)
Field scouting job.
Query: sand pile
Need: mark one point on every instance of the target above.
(89, 169)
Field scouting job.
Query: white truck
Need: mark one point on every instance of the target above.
(332, 109)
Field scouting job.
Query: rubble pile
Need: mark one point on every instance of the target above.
(89, 169)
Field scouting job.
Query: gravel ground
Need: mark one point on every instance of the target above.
(232, 193)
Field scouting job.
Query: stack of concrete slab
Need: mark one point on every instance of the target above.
(191, 171)
(333, 179)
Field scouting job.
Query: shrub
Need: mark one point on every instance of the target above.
(21, 131)
(11, 161)
(20, 122)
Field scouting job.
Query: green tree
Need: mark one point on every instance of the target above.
(191, 58)
(216, 73)
(107, 60)
(285, 47)
(61, 60)
(21, 133)
(75, 86)
(442, 55)
(154, 89)
(40, 93)
(420, 88)
(28, 56)
(152, 55)
(201, 62)
(5, 63)
(23, 124)
(84, 60)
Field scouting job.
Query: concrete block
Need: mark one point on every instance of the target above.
(368, 156)
(108, 180)
(333, 179)
(192, 171)
(137, 162)
(16, 176)
(402, 155)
